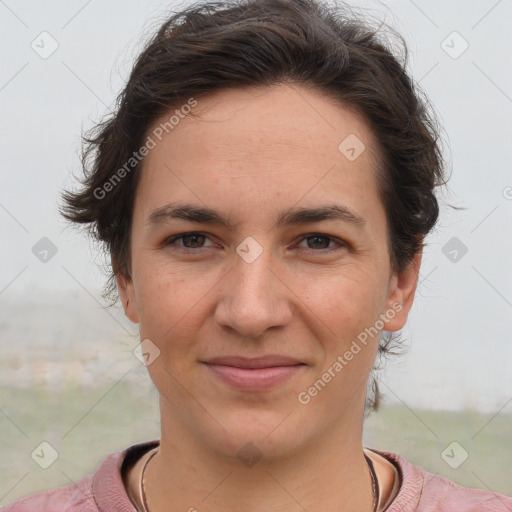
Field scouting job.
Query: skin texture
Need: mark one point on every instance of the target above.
(252, 154)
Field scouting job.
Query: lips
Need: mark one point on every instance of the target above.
(254, 374)
(257, 362)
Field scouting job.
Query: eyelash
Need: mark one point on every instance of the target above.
(172, 241)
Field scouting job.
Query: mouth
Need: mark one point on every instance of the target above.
(254, 374)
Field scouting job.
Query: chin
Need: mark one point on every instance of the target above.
(256, 434)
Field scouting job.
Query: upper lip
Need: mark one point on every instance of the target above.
(256, 362)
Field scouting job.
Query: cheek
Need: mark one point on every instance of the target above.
(171, 302)
(157, 292)
(348, 302)
(349, 306)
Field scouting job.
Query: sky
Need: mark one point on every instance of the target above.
(63, 64)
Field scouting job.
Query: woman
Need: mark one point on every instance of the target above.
(264, 189)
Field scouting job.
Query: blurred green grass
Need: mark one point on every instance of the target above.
(84, 425)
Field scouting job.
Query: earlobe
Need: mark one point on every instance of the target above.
(127, 296)
(401, 295)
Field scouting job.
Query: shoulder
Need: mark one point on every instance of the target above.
(421, 491)
(102, 490)
(76, 496)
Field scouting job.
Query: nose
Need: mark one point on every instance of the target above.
(253, 298)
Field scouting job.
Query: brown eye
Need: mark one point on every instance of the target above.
(188, 241)
(193, 240)
(318, 242)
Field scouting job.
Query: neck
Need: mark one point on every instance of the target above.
(185, 474)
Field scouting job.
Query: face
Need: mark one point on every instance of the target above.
(260, 270)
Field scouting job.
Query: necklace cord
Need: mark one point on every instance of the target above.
(142, 492)
(375, 484)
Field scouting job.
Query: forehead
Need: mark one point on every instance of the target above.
(256, 147)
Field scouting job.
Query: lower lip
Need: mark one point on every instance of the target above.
(256, 379)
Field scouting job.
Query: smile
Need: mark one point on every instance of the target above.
(257, 374)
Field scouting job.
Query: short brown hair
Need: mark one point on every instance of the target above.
(212, 46)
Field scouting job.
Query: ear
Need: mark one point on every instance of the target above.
(401, 295)
(127, 296)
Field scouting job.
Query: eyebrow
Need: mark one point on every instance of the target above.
(292, 216)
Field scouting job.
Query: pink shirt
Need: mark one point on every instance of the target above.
(104, 491)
